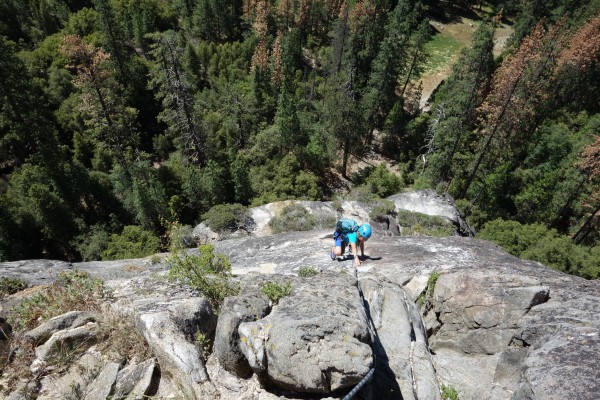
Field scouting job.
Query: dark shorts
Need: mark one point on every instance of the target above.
(339, 240)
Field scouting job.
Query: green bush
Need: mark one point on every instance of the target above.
(9, 286)
(133, 242)
(417, 224)
(180, 236)
(276, 291)
(307, 271)
(379, 181)
(225, 217)
(91, 245)
(293, 217)
(382, 209)
(283, 179)
(449, 393)
(336, 204)
(428, 292)
(538, 243)
(209, 272)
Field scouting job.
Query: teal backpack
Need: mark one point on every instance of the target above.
(346, 226)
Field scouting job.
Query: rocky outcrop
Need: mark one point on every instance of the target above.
(493, 326)
(425, 202)
(316, 340)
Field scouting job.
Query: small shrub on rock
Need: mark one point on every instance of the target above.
(119, 338)
(180, 236)
(294, 218)
(417, 224)
(209, 272)
(9, 286)
(427, 294)
(71, 291)
(449, 393)
(307, 271)
(276, 291)
(225, 217)
(382, 208)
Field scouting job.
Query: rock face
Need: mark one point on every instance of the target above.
(316, 340)
(492, 327)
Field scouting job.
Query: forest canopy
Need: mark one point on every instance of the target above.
(128, 116)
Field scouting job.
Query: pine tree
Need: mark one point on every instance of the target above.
(392, 60)
(342, 119)
(455, 103)
(367, 22)
(517, 97)
(107, 118)
(286, 118)
(116, 41)
(26, 125)
(340, 40)
(590, 167)
(173, 88)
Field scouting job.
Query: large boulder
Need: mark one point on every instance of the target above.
(316, 340)
(236, 310)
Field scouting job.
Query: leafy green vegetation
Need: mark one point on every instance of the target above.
(71, 291)
(307, 271)
(133, 242)
(379, 181)
(536, 242)
(224, 217)
(295, 217)
(382, 209)
(417, 224)
(428, 292)
(449, 393)
(145, 113)
(117, 337)
(206, 271)
(9, 286)
(276, 291)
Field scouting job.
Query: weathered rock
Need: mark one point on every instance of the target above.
(103, 384)
(539, 350)
(68, 340)
(203, 234)
(404, 367)
(479, 313)
(72, 319)
(235, 310)
(430, 203)
(315, 340)
(133, 381)
(73, 384)
(177, 356)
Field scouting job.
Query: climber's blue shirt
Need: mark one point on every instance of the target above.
(345, 238)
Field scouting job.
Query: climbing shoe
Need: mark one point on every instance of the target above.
(333, 257)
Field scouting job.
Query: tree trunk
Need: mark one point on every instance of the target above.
(489, 139)
(346, 154)
(576, 238)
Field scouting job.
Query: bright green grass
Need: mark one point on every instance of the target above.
(441, 50)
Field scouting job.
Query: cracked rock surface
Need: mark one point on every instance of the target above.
(494, 327)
